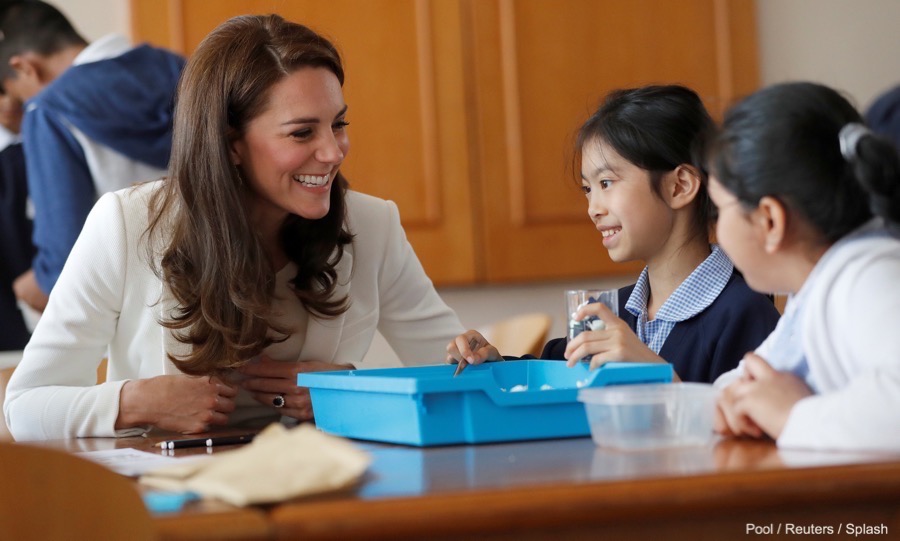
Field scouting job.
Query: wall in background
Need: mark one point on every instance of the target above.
(96, 18)
(852, 45)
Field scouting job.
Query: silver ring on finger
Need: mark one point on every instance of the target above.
(278, 401)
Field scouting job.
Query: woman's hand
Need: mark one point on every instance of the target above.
(760, 402)
(180, 403)
(616, 342)
(473, 347)
(267, 379)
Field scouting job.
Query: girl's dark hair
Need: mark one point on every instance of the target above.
(212, 260)
(657, 128)
(783, 141)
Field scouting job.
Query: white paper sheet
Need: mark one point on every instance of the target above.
(134, 463)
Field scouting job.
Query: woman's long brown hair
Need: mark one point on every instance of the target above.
(201, 243)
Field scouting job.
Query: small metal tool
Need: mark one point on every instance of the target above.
(460, 367)
(462, 362)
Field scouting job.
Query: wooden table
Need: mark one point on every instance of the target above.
(570, 489)
(208, 520)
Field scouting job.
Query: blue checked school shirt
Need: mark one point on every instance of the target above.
(693, 296)
(705, 327)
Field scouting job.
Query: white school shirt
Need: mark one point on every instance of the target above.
(847, 321)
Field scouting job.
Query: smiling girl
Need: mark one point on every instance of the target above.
(251, 262)
(647, 198)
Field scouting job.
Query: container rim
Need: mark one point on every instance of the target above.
(645, 393)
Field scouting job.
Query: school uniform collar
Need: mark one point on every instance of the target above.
(698, 291)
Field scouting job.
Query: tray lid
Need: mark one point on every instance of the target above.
(506, 383)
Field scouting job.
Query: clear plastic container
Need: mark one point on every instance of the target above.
(650, 416)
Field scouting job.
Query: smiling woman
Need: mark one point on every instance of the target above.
(292, 151)
(250, 263)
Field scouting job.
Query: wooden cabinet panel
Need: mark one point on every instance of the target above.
(464, 112)
(539, 70)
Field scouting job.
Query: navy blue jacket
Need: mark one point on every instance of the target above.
(16, 249)
(883, 117)
(713, 341)
(124, 103)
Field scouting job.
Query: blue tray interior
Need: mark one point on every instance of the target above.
(426, 405)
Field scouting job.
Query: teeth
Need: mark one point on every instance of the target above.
(609, 232)
(312, 180)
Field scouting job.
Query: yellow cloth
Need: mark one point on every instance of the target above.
(279, 464)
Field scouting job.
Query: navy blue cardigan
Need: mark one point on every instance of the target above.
(713, 341)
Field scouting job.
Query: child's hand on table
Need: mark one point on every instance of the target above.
(472, 347)
(760, 402)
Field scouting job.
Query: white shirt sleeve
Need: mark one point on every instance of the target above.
(854, 352)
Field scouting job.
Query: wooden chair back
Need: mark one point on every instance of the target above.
(780, 301)
(48, 494)
(520, 335)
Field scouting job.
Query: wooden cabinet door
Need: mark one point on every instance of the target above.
(406, 104)
(464, 112)
(537, 69)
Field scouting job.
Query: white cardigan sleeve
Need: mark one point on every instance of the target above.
(413, 318)
(854, 348)
(53, 391)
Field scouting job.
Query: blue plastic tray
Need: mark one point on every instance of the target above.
(426, 405)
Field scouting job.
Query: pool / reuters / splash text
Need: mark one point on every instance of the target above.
(843, 529)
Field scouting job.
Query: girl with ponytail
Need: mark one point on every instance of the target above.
(809, 205)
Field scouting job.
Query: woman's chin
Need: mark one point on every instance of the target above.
(313, 213)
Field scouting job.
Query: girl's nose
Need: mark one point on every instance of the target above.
(596, 208)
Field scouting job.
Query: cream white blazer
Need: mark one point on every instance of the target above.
(109, 302)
